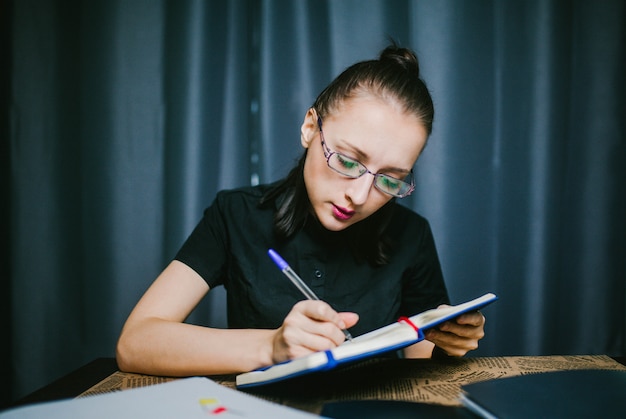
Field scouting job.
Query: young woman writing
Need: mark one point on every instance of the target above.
(335, 219)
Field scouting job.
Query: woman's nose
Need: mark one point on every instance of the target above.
(358, 189)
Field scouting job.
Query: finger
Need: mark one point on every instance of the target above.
(463, 330)
(317, 310)
(452, 344)
(474, 318)
(322, 312)
(349, 318)
(468, 320)
(311, 339)
(315, 319)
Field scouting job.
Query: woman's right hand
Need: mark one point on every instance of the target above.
(309, 327)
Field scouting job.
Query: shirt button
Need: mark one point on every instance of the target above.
(318, 273)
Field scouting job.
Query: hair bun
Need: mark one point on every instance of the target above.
(402, 56)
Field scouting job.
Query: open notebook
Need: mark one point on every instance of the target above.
(404, 332)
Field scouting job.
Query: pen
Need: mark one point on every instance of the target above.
(298, 282)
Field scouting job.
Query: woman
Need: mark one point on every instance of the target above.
(335, 219)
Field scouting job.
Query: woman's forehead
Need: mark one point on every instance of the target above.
(373, 129)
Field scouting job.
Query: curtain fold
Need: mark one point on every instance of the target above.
(127, 117)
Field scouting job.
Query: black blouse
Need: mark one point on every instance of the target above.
(229, 247)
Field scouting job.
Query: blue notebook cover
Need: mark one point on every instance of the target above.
(403, 333)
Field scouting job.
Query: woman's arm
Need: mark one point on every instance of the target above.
(155, 340)
(423, 349)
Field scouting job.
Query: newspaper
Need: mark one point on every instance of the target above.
(119, 381)
(415, 380)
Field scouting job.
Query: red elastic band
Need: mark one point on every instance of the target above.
(409, 322)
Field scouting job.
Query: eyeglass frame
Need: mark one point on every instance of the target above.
(328, 153)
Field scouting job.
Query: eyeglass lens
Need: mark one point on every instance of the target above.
(355, 169)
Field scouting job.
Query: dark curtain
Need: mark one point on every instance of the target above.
(124, 119)
(5, 208)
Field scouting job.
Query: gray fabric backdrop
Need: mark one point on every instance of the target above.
(126, 117)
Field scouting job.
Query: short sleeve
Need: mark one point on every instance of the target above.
(205, 249)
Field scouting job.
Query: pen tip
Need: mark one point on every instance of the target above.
(278, 260)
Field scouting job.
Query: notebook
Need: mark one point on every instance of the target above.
(560, 394)
(406, 331)
(195, 397)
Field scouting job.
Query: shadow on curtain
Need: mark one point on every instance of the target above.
(127, 117)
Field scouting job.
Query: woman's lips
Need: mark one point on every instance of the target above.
(342, 213)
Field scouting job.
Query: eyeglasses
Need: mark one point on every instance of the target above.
(354, 169)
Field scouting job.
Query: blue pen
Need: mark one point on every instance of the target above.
(298, 282)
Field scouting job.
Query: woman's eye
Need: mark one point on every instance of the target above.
(346, 162)
(389, 183)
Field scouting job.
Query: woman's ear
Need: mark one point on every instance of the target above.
(309, 128)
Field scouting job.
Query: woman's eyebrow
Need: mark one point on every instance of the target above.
(361, 156)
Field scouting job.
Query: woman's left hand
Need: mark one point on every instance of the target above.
(458, 336)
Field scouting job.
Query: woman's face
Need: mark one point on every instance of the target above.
(376, 133)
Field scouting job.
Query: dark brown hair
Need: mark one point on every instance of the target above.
(394, 76)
